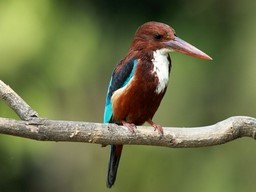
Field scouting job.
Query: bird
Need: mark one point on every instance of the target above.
(139, 82)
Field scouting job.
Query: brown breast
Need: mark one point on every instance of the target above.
(138, 100)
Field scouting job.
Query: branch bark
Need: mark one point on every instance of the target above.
(33, 127)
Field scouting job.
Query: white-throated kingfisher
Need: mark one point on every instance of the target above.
(140, 80)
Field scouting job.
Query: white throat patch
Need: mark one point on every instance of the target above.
(161, 68)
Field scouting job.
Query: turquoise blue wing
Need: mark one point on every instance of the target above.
(108, 112)
(118, 80)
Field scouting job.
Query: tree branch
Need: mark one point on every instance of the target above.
(14, 101)
(33, 127)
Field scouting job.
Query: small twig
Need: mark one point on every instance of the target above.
(33, 127)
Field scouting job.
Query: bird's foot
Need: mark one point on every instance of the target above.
(157, 127)
(130, 126)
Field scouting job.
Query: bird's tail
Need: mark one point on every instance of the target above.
(115, 155)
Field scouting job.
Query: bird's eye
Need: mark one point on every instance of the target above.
(158, 36)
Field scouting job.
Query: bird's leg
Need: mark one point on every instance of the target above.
(157, 127)
(130, 126)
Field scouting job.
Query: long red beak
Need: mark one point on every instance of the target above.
(182, 46)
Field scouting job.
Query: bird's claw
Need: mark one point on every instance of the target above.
(130, 126)
(159, 128)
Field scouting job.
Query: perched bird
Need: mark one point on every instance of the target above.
(140, 80)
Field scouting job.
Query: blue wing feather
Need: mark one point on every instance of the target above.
(118, 80)
(108, 106)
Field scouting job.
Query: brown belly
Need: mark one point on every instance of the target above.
(135, 104)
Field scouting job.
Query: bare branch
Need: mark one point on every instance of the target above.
(36, 128)
(13, 100)
(73, 131)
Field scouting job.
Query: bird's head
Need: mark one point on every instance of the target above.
(159, 36)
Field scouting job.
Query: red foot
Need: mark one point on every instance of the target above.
(130, 126)
(157, 127)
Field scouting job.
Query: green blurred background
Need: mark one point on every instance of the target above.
(59, 55)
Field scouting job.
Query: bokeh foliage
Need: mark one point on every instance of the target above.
(59, 55)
